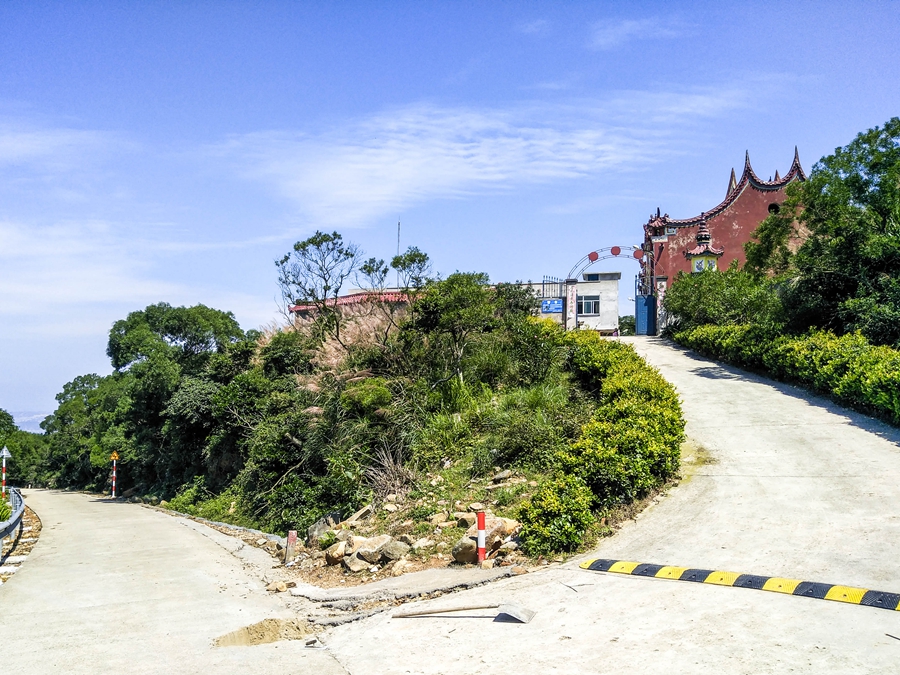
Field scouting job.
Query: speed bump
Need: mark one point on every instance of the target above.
(807, 589)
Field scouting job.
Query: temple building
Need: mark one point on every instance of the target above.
(713, 238)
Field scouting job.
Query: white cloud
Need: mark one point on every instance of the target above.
(611, 34)
(53, 148)
(380, 165)
(532, 27)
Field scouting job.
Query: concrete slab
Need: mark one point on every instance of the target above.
(113, 587)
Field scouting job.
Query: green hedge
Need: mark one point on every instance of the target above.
(846, 368)
(634, 442)
(632, 445)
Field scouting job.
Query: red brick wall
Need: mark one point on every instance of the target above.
(730, 229)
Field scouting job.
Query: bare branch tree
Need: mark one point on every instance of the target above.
(314, 273)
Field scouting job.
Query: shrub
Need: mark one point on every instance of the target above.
(5, 510)
(366, 396)
(327, 540)
(634, 442)
(557, 517)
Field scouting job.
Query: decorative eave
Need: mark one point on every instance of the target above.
(704, 244)
(748, 178)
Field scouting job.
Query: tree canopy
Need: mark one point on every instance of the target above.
(846, 274)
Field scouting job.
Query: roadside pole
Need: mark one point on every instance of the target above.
(290, 547)
(114, 457)
(481, 542)
(5, 454)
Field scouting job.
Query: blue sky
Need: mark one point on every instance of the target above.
(171, 151)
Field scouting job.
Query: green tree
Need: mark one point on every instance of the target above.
(7, 426)
(846, 274)
(459, 308)
(721, 297)
(314, 273)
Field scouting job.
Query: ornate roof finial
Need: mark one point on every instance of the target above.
(777, 177)
(732, 184)
(657, 212)
(704, 243)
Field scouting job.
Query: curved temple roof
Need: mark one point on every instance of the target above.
(749, 177)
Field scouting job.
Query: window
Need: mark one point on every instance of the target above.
(588, 304)
(592, 277)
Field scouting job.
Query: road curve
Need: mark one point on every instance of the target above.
(116, 588)
(796, 487)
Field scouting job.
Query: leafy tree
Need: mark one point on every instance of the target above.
(413, 267)
(7, 426)
(186, 334)
(459, 308)
(314, 273)
(846, 274)
(730, 296)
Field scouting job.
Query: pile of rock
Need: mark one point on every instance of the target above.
(358, 553)
(499, 540)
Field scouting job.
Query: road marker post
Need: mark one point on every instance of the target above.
(5, 454)
(114, 457)
(290, 547)
(480, 516)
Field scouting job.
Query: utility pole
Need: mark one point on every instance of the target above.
(398, 250)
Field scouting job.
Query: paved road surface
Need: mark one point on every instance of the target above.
(116, 588)
(799, 488)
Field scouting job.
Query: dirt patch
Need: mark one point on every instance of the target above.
(264, 632)
(24, 540)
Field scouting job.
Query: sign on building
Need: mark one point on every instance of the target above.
(552, 306)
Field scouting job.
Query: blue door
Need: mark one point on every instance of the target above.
(645, 315)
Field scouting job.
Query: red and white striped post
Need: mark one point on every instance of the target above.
(114, 457)
(480, 517)
(4, 454)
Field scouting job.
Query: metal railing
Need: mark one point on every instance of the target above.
(7, 527)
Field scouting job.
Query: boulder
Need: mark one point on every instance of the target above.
(277, 587)
(407, 539)
(438, 518)
(487, 564)
(495, 530)
(502, 476)
(355, 564)
(465, 519)
(371, 550)
(362, 513)
(422, 544)
(476, 506)
(466, 550)
(390, 508)
(394, 550)
(321, 526)
(335, 553)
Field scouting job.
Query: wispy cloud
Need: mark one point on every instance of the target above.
(612, 34)
(53, 148)
(382, 164)
(90, 272)
(533, 27)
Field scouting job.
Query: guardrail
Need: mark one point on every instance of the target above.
(7, 527)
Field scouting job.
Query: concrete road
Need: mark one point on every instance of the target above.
(797, 488)
(116, 588)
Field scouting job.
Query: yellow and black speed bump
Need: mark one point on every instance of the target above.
(807, 589)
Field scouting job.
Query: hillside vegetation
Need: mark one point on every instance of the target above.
(417, 404)
(826, 316)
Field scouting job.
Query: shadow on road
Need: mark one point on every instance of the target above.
(722, 371)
